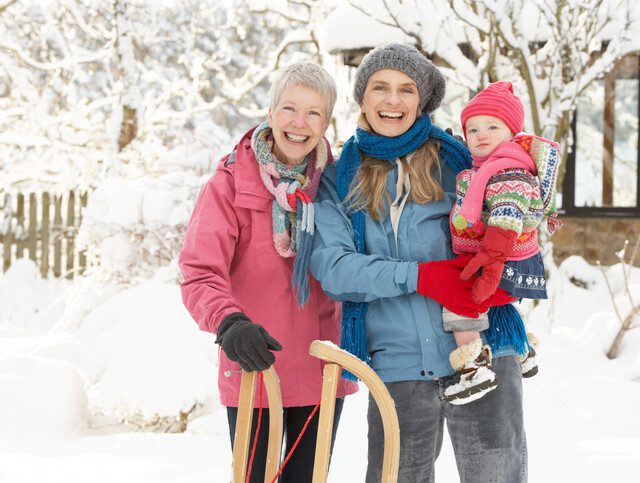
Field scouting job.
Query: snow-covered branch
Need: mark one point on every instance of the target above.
(66, 63)
(6, 5)
(549, 49)
(633, 311)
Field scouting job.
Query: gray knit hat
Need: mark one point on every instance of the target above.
(408, 60)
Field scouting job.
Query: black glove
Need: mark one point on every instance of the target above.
(246, 343)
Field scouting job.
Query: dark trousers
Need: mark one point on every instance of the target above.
(299, 468)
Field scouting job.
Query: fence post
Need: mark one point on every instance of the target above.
(33, 225)
(44, 236)
(8, 237)
(19, 236)
(82, 256)
(69, 233)
(57, 239)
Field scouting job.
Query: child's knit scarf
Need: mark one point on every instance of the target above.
(452, 151)
(506, 155)
(294, 188)
(537, 155)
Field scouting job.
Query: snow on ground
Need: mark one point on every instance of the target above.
(77, 360)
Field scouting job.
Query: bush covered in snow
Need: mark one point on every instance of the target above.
(132, 227)
(149, 365)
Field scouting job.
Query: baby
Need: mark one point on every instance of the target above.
(500, 202)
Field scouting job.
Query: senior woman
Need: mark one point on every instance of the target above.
(383, 247)
(250, 234)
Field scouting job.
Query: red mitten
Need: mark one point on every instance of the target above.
(441, 281)
(499, 297)
(497, 245)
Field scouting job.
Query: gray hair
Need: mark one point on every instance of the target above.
(308, 74)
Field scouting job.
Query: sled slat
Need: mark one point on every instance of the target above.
(242, 442)
(378, 390)
(325, 422)
(242, 439)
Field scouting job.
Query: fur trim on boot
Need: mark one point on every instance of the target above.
(476, 376)
(465, 354)
(529, 363)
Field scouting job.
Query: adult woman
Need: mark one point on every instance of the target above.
(249, 234)
(382, 246)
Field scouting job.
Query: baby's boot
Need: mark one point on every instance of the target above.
(473, 361)
(528, 361)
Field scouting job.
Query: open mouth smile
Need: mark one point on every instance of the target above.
(391, 115)
(296, 138)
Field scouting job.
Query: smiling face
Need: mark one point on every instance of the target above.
(485, 133)
(390, 102)
(297, 122)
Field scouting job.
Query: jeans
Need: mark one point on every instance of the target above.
(299, 468)
(487, 434)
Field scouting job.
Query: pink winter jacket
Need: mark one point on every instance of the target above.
(230, 264)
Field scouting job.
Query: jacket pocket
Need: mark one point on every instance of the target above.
(251, 201)
(258, 222)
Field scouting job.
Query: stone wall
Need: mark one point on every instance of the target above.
(596, 238)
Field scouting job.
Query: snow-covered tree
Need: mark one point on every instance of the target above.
(188, 83)
(303, 41)
(53, 93)
(552, 50)
(84, 84)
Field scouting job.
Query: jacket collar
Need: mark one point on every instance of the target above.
(247, 174)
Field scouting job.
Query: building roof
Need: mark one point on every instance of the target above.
(347, 28)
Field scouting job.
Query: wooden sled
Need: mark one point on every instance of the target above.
(336, 359)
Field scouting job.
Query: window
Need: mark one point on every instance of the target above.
(602, 175)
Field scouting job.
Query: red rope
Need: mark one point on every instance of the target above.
(304, 428)
(255, 438)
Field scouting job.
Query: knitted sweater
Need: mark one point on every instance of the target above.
(512, 201)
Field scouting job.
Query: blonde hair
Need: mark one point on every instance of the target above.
(368, 190)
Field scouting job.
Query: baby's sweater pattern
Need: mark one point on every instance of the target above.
(512, 201)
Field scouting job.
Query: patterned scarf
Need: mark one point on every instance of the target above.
(294, 188)
(453, 152)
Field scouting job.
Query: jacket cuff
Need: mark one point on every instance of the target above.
(406, 277)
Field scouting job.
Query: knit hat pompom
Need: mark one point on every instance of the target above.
(408, 60)
(497, 100)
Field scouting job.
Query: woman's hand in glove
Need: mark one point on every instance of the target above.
(247, 343)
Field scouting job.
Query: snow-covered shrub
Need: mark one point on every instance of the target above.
(149, 364)
(135, 223)
(580, 273)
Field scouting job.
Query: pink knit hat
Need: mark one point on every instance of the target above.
(496, 100)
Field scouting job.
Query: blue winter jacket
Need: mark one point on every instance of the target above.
(405, 336)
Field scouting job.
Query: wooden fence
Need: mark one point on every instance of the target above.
(43, 227)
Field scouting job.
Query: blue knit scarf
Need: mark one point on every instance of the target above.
(353, 332)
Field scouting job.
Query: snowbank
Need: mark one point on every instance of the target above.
(41, 397)
(148, 360)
